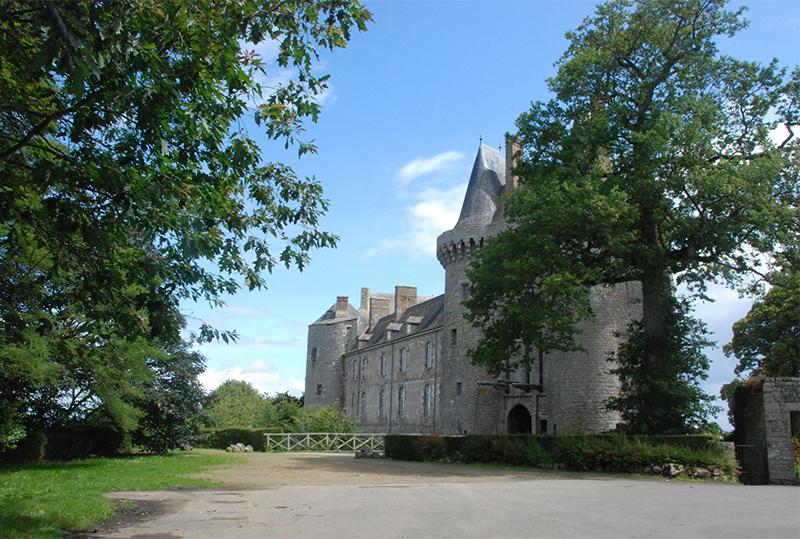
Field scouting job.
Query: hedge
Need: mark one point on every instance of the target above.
(77, 441)
(614, 453)
(222, 438)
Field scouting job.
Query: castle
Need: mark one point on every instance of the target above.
(399, 362)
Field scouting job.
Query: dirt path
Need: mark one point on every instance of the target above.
(259, 470)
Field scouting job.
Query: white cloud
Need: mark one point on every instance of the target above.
(427, 165)
(781, 132)
(434, 204)
(435, 211)
(263, 375)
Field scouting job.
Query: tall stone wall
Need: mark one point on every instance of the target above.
(467, 408)
(579, 384)
(371, 380)
(763, 418)
(327, 342)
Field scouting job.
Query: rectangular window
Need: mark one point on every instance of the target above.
(427, 400)
(355, 369)
(542, 426)
(352, 404)
(401, 402)
(364, 365)
(458, 388)
(319, 389)
(465, 291)
(454, 336)
(313, 354)
(382, 403)
(403, 359)
(428, 355)
(383, 364)
(363, 405)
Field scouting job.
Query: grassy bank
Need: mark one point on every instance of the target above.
(44, 500)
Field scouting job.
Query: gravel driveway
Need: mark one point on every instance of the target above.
(336, 496)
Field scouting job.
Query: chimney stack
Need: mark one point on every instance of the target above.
(341, 305)
(513, 148)
(378, 308)
(404, 297)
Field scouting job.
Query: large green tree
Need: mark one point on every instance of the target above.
(767, 340)
(654, 161)
(130, 182)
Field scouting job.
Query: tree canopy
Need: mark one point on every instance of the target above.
(767, 340)
(655, 161)
(130, 182)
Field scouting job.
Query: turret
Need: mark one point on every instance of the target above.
(466, 407)
(329, 337)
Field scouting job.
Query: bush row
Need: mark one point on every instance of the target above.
(222, 438)
(613, 453)
(68, 443)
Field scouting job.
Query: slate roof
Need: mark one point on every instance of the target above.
(428, 312)
(330, 315)
(484, 190)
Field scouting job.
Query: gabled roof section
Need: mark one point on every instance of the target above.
(330, 315)
(420, 317)
(485, 187)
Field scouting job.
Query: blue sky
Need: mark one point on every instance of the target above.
(401, 121)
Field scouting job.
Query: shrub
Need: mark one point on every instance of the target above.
(613, 453)
(82, 441)
(29, 449)
(222, 438)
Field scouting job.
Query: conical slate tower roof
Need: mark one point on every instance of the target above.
(485, 187)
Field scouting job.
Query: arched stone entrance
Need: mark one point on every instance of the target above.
(519, 420)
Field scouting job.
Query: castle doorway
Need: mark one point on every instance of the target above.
(519, 420)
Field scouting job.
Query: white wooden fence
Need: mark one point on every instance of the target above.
(322, 441)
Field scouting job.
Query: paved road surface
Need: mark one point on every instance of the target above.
(500, 508)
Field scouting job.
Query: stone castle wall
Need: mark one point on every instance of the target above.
(372, 380)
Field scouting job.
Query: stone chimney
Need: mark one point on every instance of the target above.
(341, 305)
(404, 297)
(378, 308)
(364, 306)
(513, 148)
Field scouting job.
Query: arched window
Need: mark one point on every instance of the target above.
(401, 402)
(427, 400)
(428, 355)
(363, 405)
(382, 403)
(403, 359)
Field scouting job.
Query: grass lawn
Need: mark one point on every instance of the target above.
(44, 500)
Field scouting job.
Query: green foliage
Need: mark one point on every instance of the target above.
(80, 441)
(47, 500)
(612, 453)
(172, 402)
(667, 399)
(652, 161)
(236, 404)
(321, 419)
(129, 184)
(625, 454)
(222, 438)
(767, 339)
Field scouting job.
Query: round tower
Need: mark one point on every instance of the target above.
(467, 407)
(332, 335)
(563, 392)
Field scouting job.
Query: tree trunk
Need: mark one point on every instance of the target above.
(655, 287)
